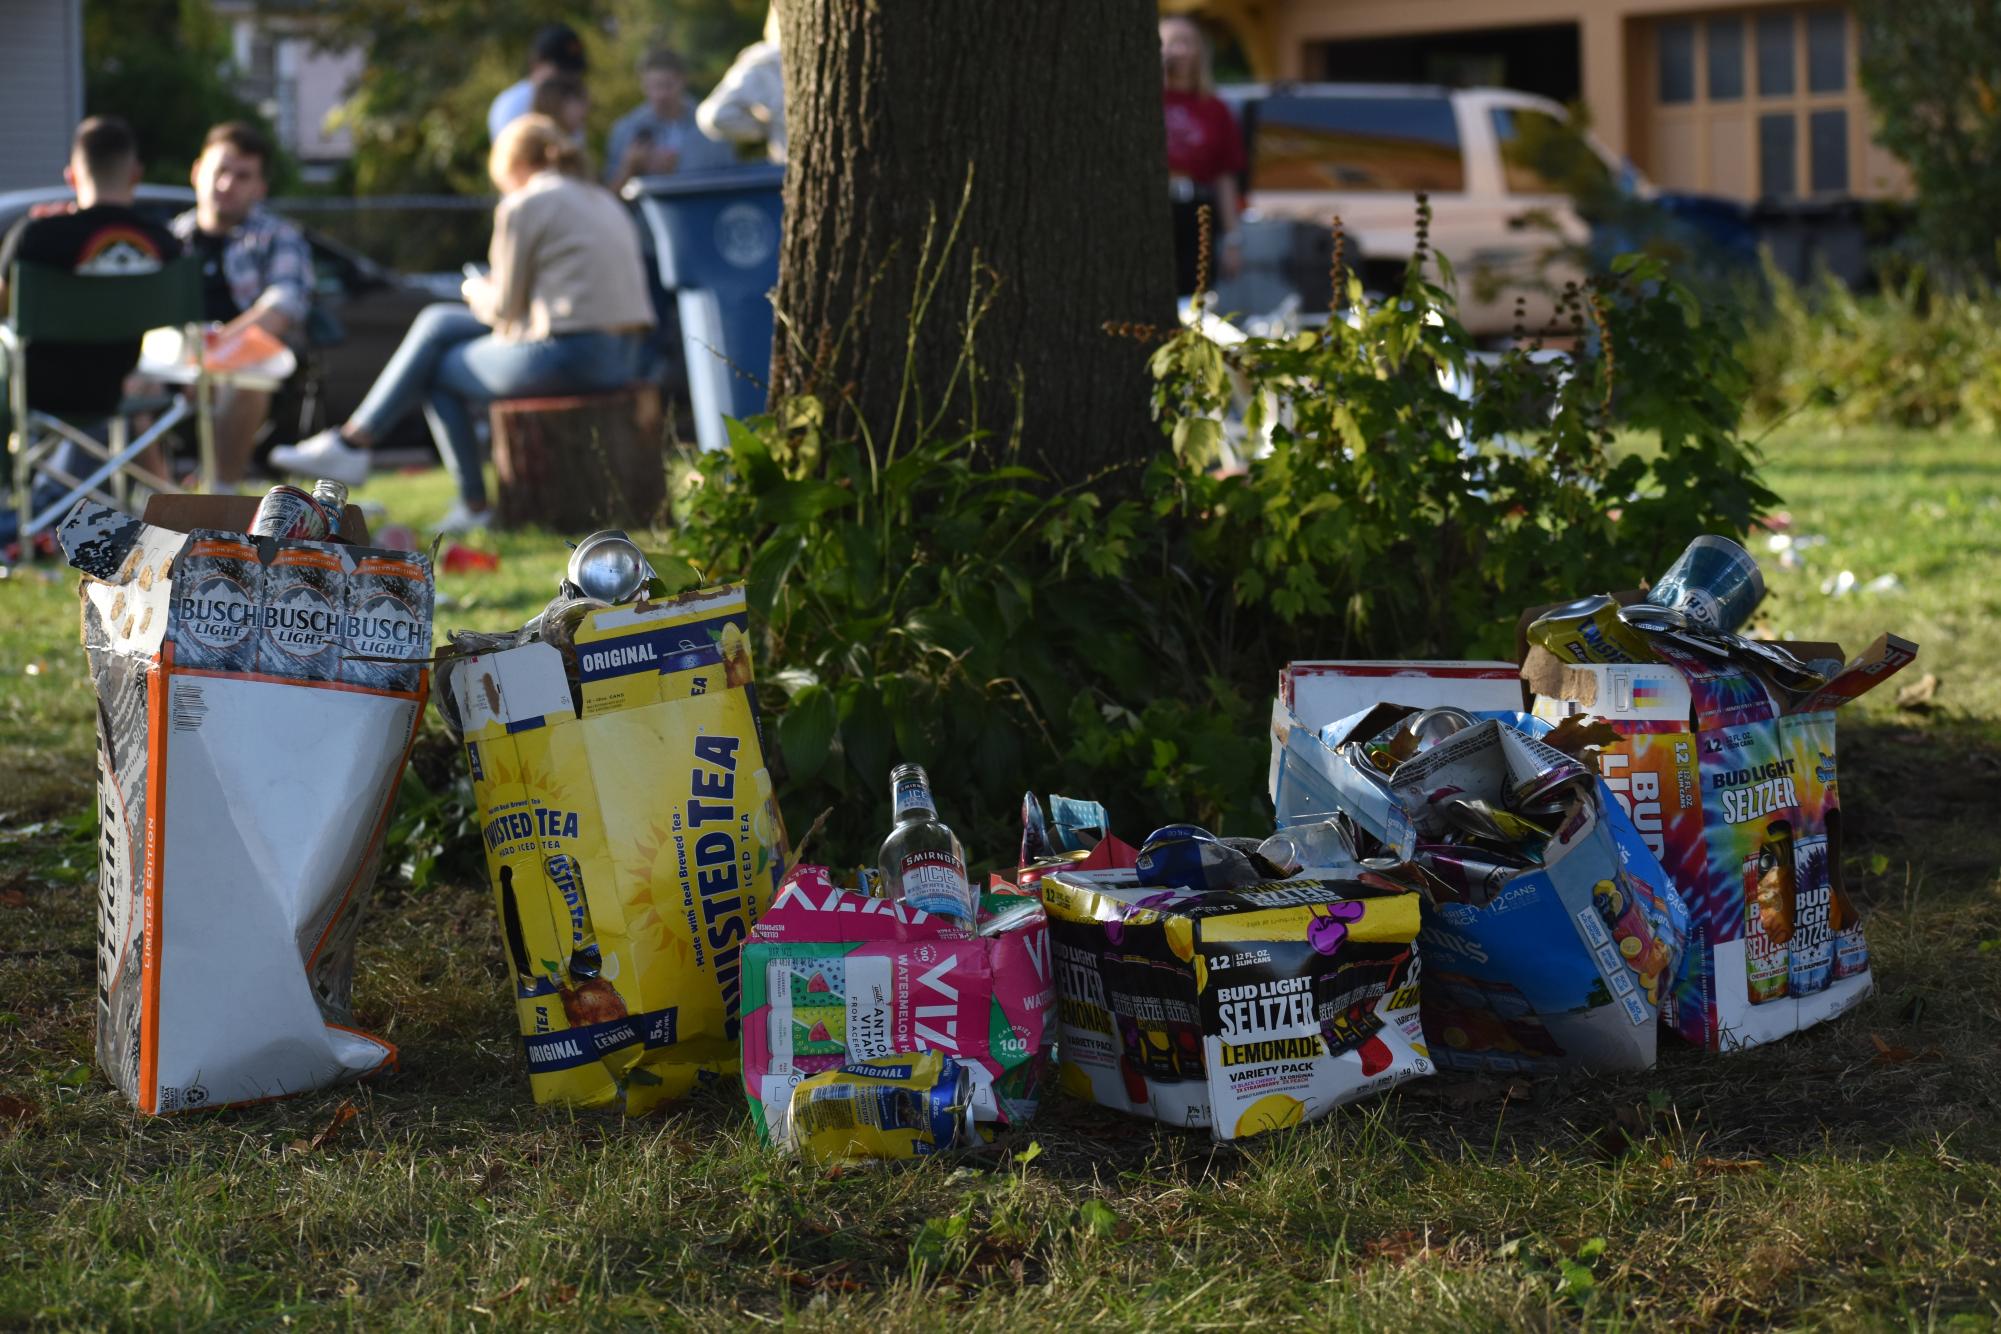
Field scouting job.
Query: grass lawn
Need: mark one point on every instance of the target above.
(1850, 1176)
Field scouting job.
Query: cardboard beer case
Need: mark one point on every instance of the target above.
(1241, 1010)
(833, 977)
(1735, 791)
(257, 701)
(632, 844)
(1566, 965)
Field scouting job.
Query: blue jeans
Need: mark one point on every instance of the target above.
(452, 366)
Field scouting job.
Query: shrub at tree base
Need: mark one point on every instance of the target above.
(937, 604)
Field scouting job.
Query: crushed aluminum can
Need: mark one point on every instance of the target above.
(1589, 630)
(1483, 819)
(610, 567)
(1186, 856)
(905, 1105)
(1432, 726)
(557, 625)
(1468, 874)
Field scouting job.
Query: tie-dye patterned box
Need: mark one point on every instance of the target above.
(1734, 788)
(833, 977)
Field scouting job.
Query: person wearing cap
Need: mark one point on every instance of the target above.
(557, 50)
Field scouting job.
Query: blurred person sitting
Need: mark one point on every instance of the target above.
(564, 99)
(257, 270)
(103, 235)
(748, 106)
(1205, 151)
(660, 135)
(557, 50)
(564, 310)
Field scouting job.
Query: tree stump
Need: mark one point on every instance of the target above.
(582, 462)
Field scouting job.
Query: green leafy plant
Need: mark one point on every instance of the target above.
(918, 595)
(1413, 497)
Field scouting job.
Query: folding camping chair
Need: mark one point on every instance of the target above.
(55, 305)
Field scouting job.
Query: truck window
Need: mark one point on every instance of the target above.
(1542, 154)
(1401, 144)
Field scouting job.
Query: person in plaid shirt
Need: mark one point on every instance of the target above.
(256, 269)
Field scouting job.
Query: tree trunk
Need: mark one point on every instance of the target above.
(1040, 119)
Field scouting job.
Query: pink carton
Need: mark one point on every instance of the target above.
(832, 976)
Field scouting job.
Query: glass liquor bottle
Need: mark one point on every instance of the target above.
(921, 860)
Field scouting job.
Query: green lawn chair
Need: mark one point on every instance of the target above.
(59, 306)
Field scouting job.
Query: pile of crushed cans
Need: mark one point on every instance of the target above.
(1518, 866)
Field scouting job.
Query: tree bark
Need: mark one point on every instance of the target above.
(1034, 127)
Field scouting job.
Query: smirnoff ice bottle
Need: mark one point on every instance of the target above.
(921, 860)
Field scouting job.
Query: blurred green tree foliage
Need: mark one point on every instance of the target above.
(164, 66)
(1933, 71)
(419, 111)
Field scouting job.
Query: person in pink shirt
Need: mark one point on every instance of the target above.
(1205, 151)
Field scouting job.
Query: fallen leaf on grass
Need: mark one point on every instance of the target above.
(834, 1280)
(1395, 1248)
(520, 1286)
(1728, 1166)
(343, 1114)
(13, 898)
(562, 1294)
(15, 1108)
(1889, 1053)
(1917, 697)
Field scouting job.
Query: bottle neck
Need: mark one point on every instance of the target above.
(911, 799)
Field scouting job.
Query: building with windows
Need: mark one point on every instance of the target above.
(282, 66)
(1754, 100)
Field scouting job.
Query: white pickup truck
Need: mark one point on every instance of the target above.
(1362, 151)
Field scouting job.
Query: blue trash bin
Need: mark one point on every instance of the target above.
(716, 235)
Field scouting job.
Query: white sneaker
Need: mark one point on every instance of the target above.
(323, 455)
(462, 519)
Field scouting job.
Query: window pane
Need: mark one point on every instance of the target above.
(1827, 146)
(1775, 55)
(1677, 62)
(1357, 143)
(1542, 154)
(1826, 51)
(1726, 59)
(1778, 144)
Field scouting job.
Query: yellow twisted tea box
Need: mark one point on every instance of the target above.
(631, 848)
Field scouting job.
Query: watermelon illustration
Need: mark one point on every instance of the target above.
(817, 985)
(820, 1033)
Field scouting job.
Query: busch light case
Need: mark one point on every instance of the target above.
(217, 622)
(230, 904)
(387, 625)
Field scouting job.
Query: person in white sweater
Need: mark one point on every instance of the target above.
(748, 106)
(563, 310)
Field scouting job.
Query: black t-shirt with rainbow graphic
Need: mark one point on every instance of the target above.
(85, 379)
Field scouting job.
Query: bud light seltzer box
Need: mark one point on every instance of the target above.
(387, 616)
(217, 625)
(1243, 1010)
(303, 593)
